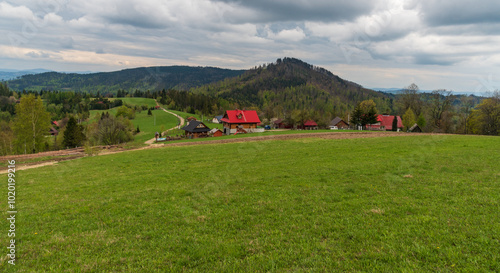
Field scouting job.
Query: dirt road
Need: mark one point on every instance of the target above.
(152, 141)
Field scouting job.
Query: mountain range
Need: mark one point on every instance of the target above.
(143, 78)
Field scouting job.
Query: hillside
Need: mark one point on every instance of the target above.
(143, 78)
(294, 84)
(408, 203)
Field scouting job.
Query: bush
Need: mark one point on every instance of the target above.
(126, 112)
(111, 130)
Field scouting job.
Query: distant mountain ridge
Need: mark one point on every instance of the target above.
(9, 74)
(293, 84)
(142, 78)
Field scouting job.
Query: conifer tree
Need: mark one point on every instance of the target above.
(73, 135)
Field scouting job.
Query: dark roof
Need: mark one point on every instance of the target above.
(278, 121)
(196, 127)
(336, 121)
(414, 127)
(219, 117)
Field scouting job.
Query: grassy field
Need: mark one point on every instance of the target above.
(148, 125)
(409, 203)
(138, 101)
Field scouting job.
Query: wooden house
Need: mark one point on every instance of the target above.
(338, 123)
(310, 125)
(241, 121)
(196, 129)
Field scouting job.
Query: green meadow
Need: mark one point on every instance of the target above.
(148, 125)
(396, 204)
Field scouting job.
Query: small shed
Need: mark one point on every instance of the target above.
(215, 132)
(310, 125)
(196, 129)
(415, 129)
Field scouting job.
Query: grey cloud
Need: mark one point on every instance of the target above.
(460, 12)
(432, 59)
(264, 11)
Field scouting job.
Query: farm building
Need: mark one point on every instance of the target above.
(244, 121)
(338, 123)
(215, 132)
(385, 123)
(196, 129)
(310, 125)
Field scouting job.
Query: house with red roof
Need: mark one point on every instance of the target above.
(385, 123)
(310, 125)
(241, 121)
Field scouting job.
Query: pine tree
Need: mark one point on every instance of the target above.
(73, 135)
(395, 124)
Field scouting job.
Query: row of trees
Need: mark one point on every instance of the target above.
(440, 110)
(28, 131)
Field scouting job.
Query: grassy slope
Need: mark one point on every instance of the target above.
(138, 101)
(146, 123)
(300, 205)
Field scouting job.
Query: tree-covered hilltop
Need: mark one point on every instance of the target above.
(291, 84)
(144, 78)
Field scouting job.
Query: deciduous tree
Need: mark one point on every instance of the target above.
(409, 119)
(31, 125)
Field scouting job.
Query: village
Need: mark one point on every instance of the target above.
(247, 121)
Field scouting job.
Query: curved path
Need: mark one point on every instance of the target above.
(152, 141)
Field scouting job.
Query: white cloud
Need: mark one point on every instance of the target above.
(15, 12)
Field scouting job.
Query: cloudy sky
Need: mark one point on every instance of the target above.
(443, 44)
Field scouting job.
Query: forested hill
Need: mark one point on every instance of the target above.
(144, 78)
(293, 84)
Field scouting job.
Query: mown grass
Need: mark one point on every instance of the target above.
(409, 203)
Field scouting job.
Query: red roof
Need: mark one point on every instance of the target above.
(55, 123)
(386, 121)
(310, 123)
(241, 116)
